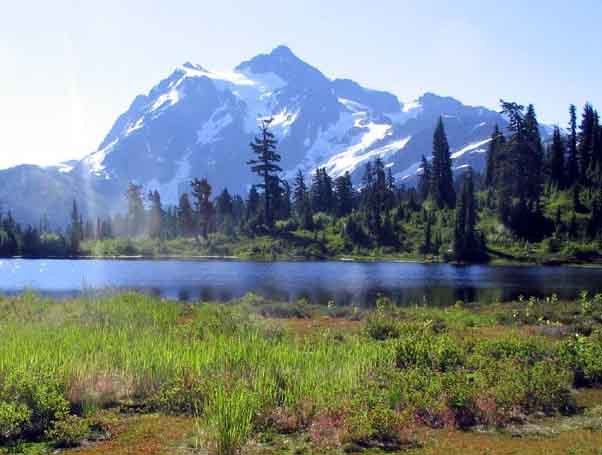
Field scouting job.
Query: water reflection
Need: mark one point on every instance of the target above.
(321, 282)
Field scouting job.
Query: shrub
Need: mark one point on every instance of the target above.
(542, 386)
(434, 352)
(184, 395)
(68, 432)
(381, 323)
(13, 418)
(529, 350)
(39, 397)
(583, 356)
(288, 225)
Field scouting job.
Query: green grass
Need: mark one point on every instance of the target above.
(243, 374)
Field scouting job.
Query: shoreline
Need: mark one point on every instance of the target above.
(342, 259)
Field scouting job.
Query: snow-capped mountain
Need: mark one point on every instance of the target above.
(198, 123)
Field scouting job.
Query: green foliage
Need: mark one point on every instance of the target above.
(31, 402)
(239, 373)
(13, 418)
(583, 355)
(68, 432)
(428, 351)
(230, 418)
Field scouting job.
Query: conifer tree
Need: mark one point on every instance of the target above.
(494, 150)
(533, 161)
(300, 195)
(557, 155)
(201, 192)
(442, 184)
(224, 209)
(266, 167)
(344, 195)
(585, 150)
(424, 179)
(468, 244)
(427, 244)
(253, 204)
(185, 216)
(135, 216)
(572, 166)
(75, 230)
(156, 215)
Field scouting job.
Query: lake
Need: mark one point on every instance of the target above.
(320, 282)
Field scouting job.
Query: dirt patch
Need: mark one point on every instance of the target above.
(307, 327)
(144, 435)
(472, 443)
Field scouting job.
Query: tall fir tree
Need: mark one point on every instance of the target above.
(75, 230)
(185, 214)
(442, 182)
(424, 179)
(344, 195)
(494, 150)
(266, 167)
(468, 244)
(586, 136)
(557, 160)
(135, 215)
(572, 165)
(155, 215)
(201, 192)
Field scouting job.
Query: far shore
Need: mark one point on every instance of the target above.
(496, 262)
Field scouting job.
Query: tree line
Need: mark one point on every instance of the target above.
(523, 177)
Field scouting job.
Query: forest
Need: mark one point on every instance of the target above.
(536, 200)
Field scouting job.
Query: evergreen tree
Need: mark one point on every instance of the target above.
(224, 210)
(520, 174)
(424, 179)
(572, 166)
(492, 168)
(427, 244)
(265, 166)
(557, 155)
(135, 216)
(533, 161)
(156, 215)
(442, 184)
(253, 204)
(344, 195)
(322, 195)
(75, 230)
(300, 197)
(301, 201)
(185, 216)
(585, 150)
(468, 244)
(596, 165)
(201, 192)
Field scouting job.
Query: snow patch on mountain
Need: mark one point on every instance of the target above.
(476, 147)
(210, 130)
(171, 190)
(95, 161)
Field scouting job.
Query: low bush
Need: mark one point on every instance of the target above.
(434, 352)
(583, 356)
(68, 432)
(30, 403)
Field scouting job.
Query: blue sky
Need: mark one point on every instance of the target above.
(70, 67)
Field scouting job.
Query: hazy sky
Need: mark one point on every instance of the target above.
(70, 67)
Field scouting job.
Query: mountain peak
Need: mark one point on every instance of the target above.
(285, 64)
(193, 66)
(283, 51)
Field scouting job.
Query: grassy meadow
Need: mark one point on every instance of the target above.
(130, 373)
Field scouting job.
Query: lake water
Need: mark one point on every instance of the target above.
(320, 282)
